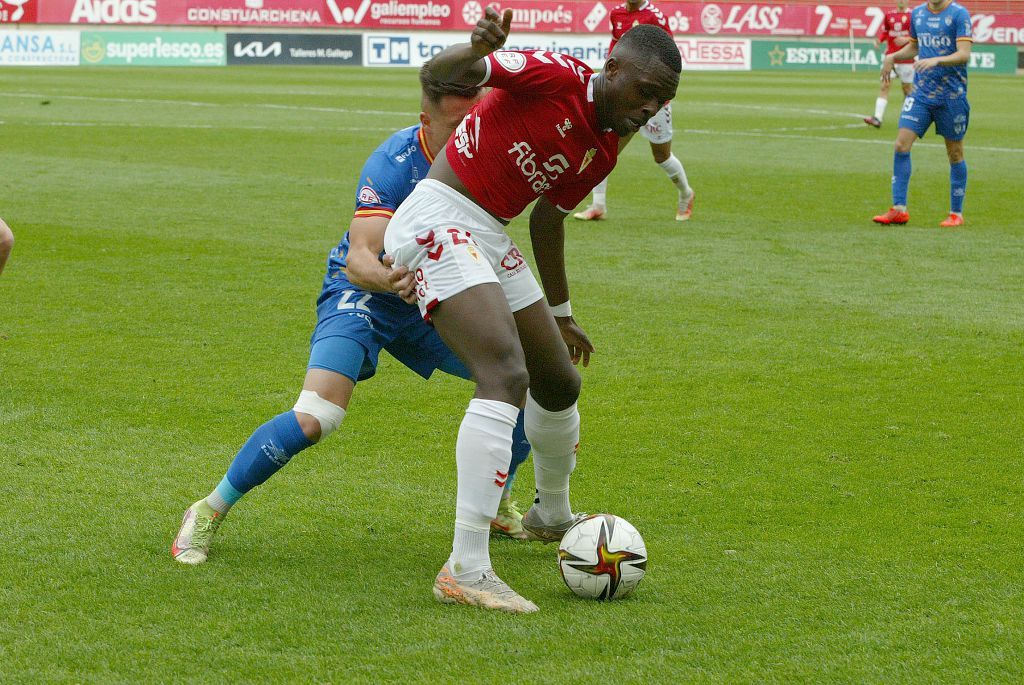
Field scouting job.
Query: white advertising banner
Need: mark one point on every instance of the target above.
(413, 48)
(39, 48)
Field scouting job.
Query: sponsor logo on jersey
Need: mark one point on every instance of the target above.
(563, 127)
(464, 139)
(513, 62)
(368, 196)
(526, 160)
(935, 42)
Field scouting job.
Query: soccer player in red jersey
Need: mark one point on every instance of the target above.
(658, 130)
(895, 33)
(547, 132)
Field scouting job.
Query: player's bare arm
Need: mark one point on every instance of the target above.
(460, 64)
(961, 56)
(365, 269)
(907, 52)
(547, 235)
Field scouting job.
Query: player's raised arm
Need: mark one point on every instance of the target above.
(547, 235)
(460, 64)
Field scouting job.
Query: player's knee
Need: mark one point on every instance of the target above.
(903, 145)
(317, 417)
(558, 389)
(955, 154)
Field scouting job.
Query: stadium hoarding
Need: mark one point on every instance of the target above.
(711, 54)
(413, 49)
(153, 48)
(18, 11)
(295, 48)
(713, 19)
(39, 48)
(842, 56)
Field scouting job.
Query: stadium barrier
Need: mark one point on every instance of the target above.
(579, 17)
(66, 47)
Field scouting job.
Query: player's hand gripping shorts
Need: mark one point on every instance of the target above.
(659, 129)
(451, 244)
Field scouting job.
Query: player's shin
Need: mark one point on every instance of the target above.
(554, 436)
(674, 168)
(901, 170)
(483, 451)
(267, 450)
(957, 186)
(880, 105)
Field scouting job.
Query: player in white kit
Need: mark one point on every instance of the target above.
(548, 131)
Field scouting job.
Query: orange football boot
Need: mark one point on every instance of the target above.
(953, 220)
(893, 216)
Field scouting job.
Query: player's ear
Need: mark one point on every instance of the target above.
(611, 67)
(425, 119)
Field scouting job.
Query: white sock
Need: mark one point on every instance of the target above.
(554, 437)
(880, 104)
(674, 168)
(483, 452)
(601, 193)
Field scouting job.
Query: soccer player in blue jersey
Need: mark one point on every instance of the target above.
(359, 312)
(940, 36)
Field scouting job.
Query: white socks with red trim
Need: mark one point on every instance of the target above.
(554, 436)
(483, 452)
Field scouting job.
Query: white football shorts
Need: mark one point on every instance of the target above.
(659, 129)
(905, 72)
(451, 244)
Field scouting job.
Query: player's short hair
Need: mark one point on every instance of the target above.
(645, 39)
(434, 90)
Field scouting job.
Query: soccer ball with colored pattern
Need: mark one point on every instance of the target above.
(602, 557)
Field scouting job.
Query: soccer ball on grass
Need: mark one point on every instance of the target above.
(602, 557)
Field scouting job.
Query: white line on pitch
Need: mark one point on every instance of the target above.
(824, 139)
(100, 124)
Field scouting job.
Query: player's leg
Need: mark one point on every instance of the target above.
(881, 102)
(420, 348)
(658, 133)
(915, 118)
(318, 412)
(552, 421)
(458, 288)
(599, 206)
(951, 121)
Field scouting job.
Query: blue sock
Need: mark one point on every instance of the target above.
(269, 448)
(900, 178)
(957, 186)
(520, 451)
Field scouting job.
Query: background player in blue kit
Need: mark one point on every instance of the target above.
(940, 36)
(358, 314)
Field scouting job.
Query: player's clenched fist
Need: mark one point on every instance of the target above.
(489, 35)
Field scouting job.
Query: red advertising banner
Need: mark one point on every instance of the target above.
(18, 11)
(716, 19)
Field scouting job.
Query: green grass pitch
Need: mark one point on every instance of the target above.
(815, 422)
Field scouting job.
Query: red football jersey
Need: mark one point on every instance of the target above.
(895, 25)
(535, 133)
(623, 20)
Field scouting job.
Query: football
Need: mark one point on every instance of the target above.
(602, 557)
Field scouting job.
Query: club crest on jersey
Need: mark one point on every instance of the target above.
(368, 196)
(514, 62)
(563, 127)
(587, 159)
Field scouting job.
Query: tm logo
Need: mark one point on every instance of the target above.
(386, 50)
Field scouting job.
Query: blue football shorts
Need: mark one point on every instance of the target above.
(951, 117)
(353, 326)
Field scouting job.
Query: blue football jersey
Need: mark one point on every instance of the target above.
(937, 35)
(387, 178)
